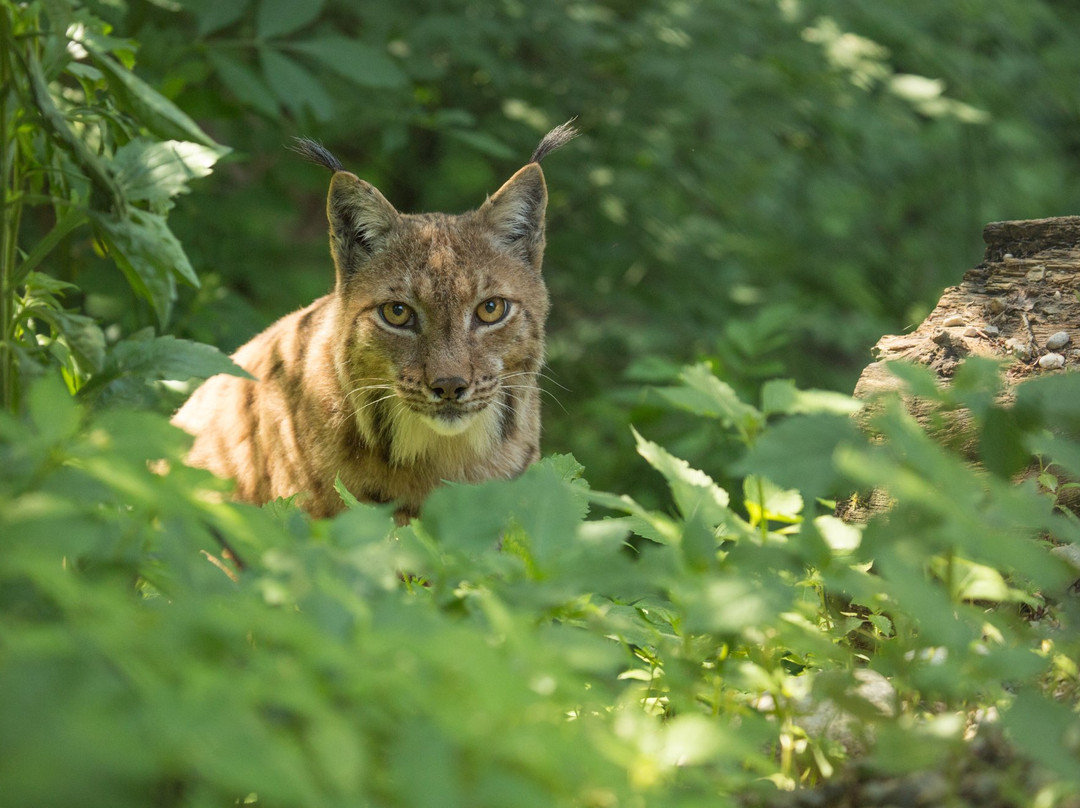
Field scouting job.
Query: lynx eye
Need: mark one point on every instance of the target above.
(397, 314)
(492, 310)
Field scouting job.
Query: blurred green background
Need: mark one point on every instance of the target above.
(769, 185)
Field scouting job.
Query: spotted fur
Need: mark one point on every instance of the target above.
(340, 390)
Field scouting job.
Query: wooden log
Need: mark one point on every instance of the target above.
(1026, 290)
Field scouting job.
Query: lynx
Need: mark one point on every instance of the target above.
(421, 366)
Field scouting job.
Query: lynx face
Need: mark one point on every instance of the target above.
(446, 332)
(420, 366)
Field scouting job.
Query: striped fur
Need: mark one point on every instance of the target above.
(346, 388)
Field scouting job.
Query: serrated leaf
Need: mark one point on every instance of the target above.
(83, 336)
(354, 60)
(245, 84)
(148, 254)
(278, 17)
(149, 107)
(703, 394)
(155, 171)
(294, 86)
(694, 491)
(170, 358)
(345, 494)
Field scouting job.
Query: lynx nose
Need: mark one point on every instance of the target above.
(450, 388)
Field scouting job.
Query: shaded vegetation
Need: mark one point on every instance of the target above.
(762, 190)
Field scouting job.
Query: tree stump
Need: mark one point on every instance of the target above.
(1025, 291)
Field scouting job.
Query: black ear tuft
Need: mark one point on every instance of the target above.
(315, 152)
(555, 139)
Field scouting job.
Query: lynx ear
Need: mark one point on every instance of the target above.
(515, 214)
(361, 220)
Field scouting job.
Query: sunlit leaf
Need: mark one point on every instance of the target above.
(155, 171)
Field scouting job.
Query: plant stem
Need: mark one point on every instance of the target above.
(11, 209)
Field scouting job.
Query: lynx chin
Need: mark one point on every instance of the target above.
(421, 366)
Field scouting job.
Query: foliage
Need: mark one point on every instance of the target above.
(510, 647)
(85, 145)
(709, 637)
(768, 185)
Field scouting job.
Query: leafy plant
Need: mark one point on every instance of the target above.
(87, 148)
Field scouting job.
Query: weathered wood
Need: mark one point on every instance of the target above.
(1026, 289)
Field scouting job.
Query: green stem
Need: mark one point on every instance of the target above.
(11, 208)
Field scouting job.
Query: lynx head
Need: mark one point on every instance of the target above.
(442, 317)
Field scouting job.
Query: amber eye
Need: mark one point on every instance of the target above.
(397, 314)
(492, 310)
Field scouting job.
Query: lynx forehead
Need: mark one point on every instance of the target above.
(421, 365)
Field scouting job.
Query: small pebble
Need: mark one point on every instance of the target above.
(1018, 347)
(972, 331)
(954, 320)
(1051, 361)
(1058, 340)
(997, 305)
(992, 331)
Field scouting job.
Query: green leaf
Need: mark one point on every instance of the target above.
(82, 335)
(278, 17)
(294, 86)
(355, 61)
(213, 15)
(52, 410)
(155, 171)
(694, 491)
(798, 452)
(780, 396)
(170, 358)
(245, 84)
(153, 110)
(703, 394)
(1048, 730)
(148, 254)
(766, 501)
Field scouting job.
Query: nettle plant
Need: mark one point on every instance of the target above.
(534, 642)
(91, 158)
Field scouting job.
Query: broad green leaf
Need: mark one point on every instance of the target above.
(53, 411)
(170, 358)
(704, 394)
(243, 82)
(148, 254)
(152, 110)
(154, 171)
(781, 396)
(694, 491)
(213, 15)
(83, 336)
(354, 60)
(295, 87)
(798, 452)
(1046, 730)
(278, 17)
(766, 501)
(841, 537)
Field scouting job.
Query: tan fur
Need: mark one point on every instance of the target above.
(341, 392)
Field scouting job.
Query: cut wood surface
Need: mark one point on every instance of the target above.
(1025, 291)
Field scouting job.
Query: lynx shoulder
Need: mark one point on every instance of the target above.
(422, 365)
